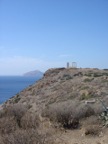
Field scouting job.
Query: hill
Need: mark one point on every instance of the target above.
(35, 73)
(62, 107)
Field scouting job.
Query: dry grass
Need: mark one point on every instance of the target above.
(17, 111)
(7, 125)
(24, 137)
(30, 121)
(17, 126)
(93, 130)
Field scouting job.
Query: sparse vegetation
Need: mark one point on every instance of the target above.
(88, 79)
(89, 74)
(69, 114)
(17, 111)
(85, 97)
(63, 114)
(17, 99)
(24, 137)
(7, 125)
(57, 103)
(20, 127)
(97, 74)
(30, 121)
(67, 77)
(84, 87)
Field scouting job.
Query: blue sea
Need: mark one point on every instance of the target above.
(11, 85)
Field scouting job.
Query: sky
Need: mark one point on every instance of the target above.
(43, 34)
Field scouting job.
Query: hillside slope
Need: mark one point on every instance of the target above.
(67, 104)
(59, 85)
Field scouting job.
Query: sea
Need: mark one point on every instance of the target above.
(11, 85)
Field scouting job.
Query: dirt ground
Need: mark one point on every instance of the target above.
(79, 137)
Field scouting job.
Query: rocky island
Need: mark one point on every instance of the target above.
(35, 73)
(63, 107)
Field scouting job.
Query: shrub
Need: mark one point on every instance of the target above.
(64, 114)
(105, 74)
(2, 113)
(7, 125)
(67, 76)
(17, 98)
(17, 111)
(84, 111)
(30, 121)
(97, 74)
(98, 108)
(93, 130)
(105, 69)
(89, 74)
(24, 137)
(84, 87)
(69, 114)
(67, 119)
(85, 97)
(88, 79)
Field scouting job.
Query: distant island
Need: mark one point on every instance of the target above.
(35, 73)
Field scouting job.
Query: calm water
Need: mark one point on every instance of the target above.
(11, 85)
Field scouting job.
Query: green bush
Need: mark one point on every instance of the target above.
(85, 97)
(67, 76)
(97, 74)
(88, 79)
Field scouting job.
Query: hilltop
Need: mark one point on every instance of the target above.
(62, 107)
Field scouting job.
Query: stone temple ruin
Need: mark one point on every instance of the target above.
(74, 65)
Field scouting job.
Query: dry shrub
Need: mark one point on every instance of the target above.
(69, 114)
(17, 111)
(17, 126)
(30, 121)
(92, 120)
(93, 130)
(2, 113)
(98, 108)
(24, 137)
(7, 125)
(83, 111)
(67, 119)
(64, 114)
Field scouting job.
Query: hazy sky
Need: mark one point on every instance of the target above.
(40, 34)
